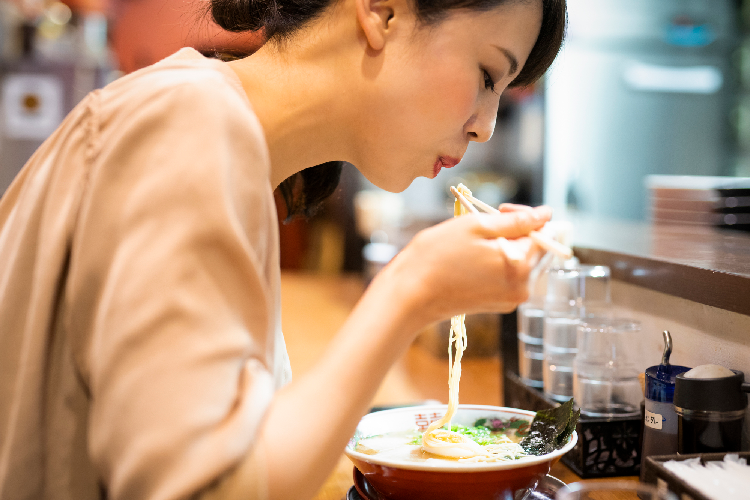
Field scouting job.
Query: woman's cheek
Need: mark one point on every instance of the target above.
(457, 94)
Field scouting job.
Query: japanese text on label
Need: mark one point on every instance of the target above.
(653, 420)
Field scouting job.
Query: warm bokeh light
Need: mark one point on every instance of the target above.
(146, 31)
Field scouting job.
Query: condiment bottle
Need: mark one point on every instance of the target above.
(660, 424)
(710, 406)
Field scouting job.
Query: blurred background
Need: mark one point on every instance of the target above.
(643, 94)
(641, 88)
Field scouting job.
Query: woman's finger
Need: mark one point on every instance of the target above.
(525, 245)
(543, 211)
(535, 253)
(513, 207)
(524, 250)
(512, 224)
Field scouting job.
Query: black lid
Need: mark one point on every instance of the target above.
(710, 394)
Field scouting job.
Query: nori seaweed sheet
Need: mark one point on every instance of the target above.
(551, 429)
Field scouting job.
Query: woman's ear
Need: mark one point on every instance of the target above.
(374, 17)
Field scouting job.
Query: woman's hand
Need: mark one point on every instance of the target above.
(452, 268)
(458, 266)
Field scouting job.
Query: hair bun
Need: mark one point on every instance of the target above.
(245, 15)
(277, 17)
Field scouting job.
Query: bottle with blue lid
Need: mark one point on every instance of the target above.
(660, 424)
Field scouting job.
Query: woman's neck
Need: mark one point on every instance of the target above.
(302, 94)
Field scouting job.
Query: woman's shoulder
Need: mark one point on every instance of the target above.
(185, 111)
(184, 84)
(187, 66)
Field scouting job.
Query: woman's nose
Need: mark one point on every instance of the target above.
(481, 125)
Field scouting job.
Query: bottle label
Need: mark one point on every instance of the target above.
(653, 420)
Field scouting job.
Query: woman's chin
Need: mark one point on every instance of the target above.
(393, 184)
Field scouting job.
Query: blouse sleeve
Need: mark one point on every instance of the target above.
(169, 294)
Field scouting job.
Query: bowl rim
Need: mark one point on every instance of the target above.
(458, 466)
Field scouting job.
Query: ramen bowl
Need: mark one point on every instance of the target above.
(397, 478)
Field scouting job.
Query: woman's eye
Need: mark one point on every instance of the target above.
(488, 83)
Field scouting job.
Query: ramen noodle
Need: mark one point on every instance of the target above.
(448, 443)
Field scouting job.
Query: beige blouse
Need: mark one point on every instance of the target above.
(140, 340)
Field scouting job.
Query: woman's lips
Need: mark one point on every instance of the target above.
(444, 162)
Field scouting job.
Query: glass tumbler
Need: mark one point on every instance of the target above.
(572, 294)
(531, 343)
(605, 375)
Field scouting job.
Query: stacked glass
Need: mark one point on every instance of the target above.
(573, 295)
(531, 321)
(531, 331)
(605, 377)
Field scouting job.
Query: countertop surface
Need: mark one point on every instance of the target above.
(700, 263)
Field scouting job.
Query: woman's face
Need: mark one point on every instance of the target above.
(436, 88)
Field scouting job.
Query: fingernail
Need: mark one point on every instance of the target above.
(542, 212)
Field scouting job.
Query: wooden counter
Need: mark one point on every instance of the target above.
(700, 263)
(313, 309)
(315, 306)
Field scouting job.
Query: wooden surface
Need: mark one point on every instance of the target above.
(672, 259)
(313, 309)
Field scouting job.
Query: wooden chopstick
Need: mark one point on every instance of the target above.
(510, 250)
(487, 208)
(466, 203)
(541, 239)
(550, 244)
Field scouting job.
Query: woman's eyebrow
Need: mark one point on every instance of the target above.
(511, 59)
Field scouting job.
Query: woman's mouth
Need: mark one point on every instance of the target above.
(443, 162)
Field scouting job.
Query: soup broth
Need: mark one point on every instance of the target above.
(407, 445)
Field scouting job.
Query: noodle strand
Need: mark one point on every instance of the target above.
(445, 442)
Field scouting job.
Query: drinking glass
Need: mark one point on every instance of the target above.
(572, 294)
(531, 325)
(530, 343)
(609, 490)
(605, 375)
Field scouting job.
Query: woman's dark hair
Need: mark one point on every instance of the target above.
(279, 19)
(305, 191)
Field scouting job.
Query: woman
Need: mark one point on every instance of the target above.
(140, 353)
